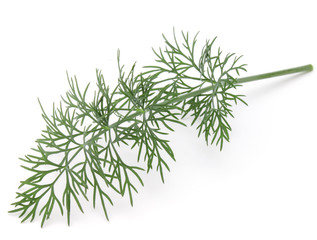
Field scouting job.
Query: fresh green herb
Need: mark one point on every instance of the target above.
(78, 150)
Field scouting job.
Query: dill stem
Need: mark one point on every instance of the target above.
(305, 68)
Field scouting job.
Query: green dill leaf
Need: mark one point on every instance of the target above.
(79, 149)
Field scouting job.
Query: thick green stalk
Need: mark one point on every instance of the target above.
(305, 68)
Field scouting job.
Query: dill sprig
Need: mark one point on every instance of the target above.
(78, 150)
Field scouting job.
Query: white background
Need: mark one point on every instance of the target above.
(263, 185)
